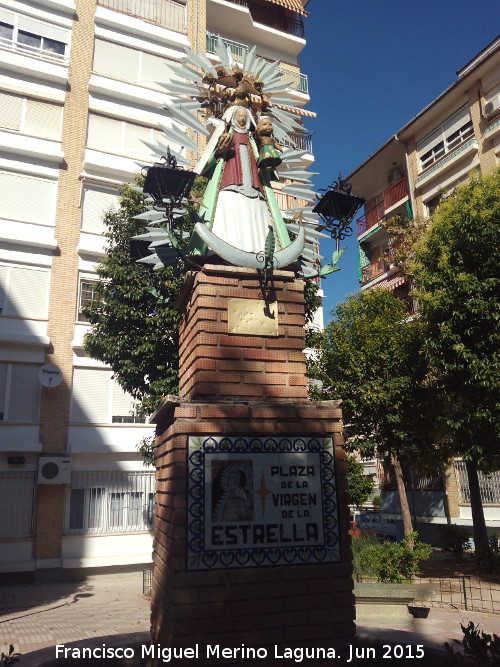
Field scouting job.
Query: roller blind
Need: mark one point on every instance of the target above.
(43, 119)
(123, 403)
(28, 24)
(105, 133)
(153, 70)
(96, 202)
(120, 62)
(456, 122)
(39, 207)
(11, 108)
(134, 136)
(91, 396)
(24, 395)
(27, 293)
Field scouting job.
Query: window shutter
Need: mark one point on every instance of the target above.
(119, 62)
(11, 108)
(39, 207)
(43, 119)
(105, 134)
(96, 202)
(153, 70)
(28, 293)
(134, 136)
(43, 29)
(123, 403)
(24, 394)
(428, 142)
(456, 122)
(90, 400)
(6, 17)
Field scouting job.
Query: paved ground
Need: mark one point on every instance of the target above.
(112, 609)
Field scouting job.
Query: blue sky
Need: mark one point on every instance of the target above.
(372, 66)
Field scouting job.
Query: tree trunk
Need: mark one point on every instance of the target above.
(476, 505)
(403, 500)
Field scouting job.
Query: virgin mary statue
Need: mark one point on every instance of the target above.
(239, 204)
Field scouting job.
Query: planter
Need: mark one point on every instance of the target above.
(389, 603)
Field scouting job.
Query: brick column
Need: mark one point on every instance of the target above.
(215, 363)
(245, 388)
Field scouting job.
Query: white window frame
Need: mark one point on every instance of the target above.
(124, 487)
(13, 43)
(443, 143)
(81, 279)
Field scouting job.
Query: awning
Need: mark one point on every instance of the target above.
(298, 111)
(292, 5)
(391, 283)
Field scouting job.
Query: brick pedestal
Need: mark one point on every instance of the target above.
(253, 388)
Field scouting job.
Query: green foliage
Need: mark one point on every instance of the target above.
(479, 648)
(455, 539)
(359, 486)
(456, 266)
(390, 562)
(370, 357)
(146, 450)
(134, 325)
(376, 501)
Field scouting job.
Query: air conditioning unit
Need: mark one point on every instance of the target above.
(491, 107)
(54, 470)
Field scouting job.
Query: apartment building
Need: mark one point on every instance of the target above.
(455, 135)
(79, 92)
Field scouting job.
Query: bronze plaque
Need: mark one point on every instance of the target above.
(252, 316)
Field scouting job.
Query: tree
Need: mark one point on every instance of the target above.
(359, 485)
(134, 322)
(456, 269)
(370, 357)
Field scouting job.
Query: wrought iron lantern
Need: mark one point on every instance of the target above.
(337, 207)
(167, 184)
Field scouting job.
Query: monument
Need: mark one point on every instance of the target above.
(251, 553)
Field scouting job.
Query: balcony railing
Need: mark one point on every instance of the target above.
(37, 52)
(165, 13)
(374, 270)
(295, 80)
(301, 141)
(237, 50)
(384, 201)
(489, 485)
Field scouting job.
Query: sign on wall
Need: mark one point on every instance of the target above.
(261, 501)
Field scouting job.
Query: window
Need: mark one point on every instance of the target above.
(96, 202)
(445, 138)
(17, 493)
(33, 37)
(98, 399)
(110, 502)
(88, 296)
(127, 64)
(39, 208)
(28, 116)
(121, 137)
(19, 392)
(24, 292)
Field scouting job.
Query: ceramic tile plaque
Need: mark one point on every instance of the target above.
(261, 501)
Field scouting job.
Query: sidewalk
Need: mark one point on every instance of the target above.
(112, 609)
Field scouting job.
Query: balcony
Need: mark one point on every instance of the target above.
(164, 13)
(287, 202)
(384, 202)
(294, 80)
(274, 17)
(378, 267)
(35, 51)
(302, 141)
